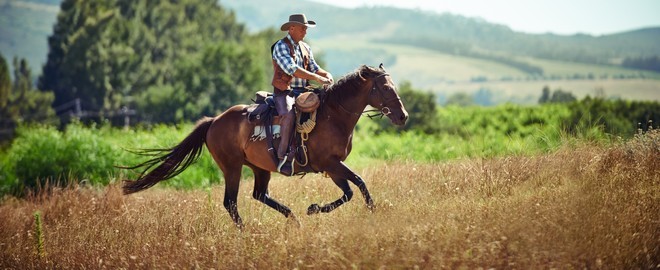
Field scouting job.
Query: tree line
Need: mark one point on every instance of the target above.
(166, 61)
(170, 60)
(647, 63)
(19, 100)
(622, 118)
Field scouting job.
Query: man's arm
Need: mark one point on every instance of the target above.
(325, 74)
(319, 77)
(285, 61)
(315, 68)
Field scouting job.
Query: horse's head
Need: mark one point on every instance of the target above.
(383, 95)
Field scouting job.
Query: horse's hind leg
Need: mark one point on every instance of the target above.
(232, 180)
(260, 193)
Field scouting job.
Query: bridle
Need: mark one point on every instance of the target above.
(384, 110)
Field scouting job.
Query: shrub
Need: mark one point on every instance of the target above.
(44, 154)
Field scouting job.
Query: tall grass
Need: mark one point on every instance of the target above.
(582, 206)
(38, 234)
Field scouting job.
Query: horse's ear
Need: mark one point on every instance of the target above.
(381, 67)
(359, 71)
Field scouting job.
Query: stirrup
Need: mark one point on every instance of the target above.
(283, 162)
(279, 166)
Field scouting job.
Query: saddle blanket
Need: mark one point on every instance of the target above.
(259, 133)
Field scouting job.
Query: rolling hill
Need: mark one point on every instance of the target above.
(443, 53)
(24, 30)
(447, 53)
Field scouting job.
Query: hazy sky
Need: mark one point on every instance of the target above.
(594, 17)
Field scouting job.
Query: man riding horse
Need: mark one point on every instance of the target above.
(227, 136)
(294, 67)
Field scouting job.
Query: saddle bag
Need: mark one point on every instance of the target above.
(307, 102)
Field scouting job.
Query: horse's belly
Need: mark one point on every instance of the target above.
(257, 153)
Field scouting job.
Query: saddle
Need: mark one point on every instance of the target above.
(263, 107)
(263, 113)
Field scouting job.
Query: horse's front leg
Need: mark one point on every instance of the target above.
(357, 180)
(340, 173)
(348, 194)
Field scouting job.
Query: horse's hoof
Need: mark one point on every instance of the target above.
(313, 209)
(293, 219)
(240, 226)
(371, 207)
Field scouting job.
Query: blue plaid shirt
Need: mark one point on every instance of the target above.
(283, 58)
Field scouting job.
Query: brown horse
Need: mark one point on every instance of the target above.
(227, 139)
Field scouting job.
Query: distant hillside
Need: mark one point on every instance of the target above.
(24, 29)
(445, 53)
(644, 42)
(449, 33)
(25, 25)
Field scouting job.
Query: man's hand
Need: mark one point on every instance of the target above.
(324, 80)
(324, 77)
(329, 77)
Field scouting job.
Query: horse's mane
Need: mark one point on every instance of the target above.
(357, 76)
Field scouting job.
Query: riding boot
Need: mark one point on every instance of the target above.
(286, 130)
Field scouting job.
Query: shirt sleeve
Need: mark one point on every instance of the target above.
(283, 58)
(313, 66)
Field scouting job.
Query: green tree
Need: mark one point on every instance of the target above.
(421, 107)
(113, 53)
(28, 103)
(557, 96)
(560, 96)
(5, 83)
(7, 119)
(545, 95)
(21, 102)
(67, 69)
(616, 117)
(225, 74)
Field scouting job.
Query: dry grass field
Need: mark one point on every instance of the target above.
(582, 206)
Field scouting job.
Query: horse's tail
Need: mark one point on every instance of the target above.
(170, 162)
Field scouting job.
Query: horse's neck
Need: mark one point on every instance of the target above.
(346, 105)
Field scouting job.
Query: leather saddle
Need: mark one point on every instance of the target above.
(264, 114)
(262, 108)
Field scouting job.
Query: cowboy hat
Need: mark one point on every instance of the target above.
(297, 19)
